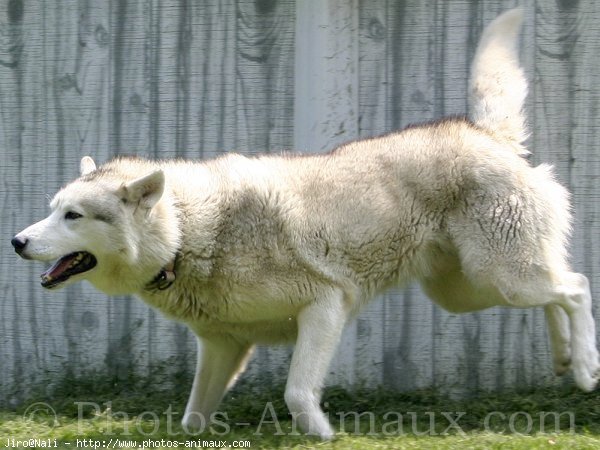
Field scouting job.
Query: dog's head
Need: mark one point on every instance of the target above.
(96, 231)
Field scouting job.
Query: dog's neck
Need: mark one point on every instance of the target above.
(163, 230)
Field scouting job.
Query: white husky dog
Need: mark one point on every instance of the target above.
(289, 248)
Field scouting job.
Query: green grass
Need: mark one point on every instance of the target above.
(136, 412)
(93, 430)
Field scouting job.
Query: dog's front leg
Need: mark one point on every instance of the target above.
(560, 337)
(220, 360)
(320, 326)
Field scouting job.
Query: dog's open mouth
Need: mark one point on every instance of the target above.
(66, 267)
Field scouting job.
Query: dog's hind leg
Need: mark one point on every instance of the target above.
(320, 327)
(512, 236)
(450, 288)
(219, 362)
(560, 337)
(573, 294)
(570, 292)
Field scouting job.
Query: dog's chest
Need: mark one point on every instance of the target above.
(264, 310)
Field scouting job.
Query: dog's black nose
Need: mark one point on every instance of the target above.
(18, 243)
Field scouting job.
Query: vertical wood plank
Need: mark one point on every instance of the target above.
(326, 103)
(372, 110)
(561, 127)
(409, 352)
(586, 141)
(133, 115)
(214, 61)
(262, 105)
(264, 75)
(17, 337)
(373, 41)
(580, 123)
(326, 93)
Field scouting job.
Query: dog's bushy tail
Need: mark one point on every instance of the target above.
(497, 88)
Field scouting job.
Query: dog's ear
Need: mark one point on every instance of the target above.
(145, 191)
(86, 165)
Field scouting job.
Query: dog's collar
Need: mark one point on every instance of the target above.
(165, 278)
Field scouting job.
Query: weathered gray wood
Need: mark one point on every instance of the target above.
(196, 79)
(326, 108)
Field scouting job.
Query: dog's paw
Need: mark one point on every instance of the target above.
(321, 428)
(587, 378)
(562, 367)
(596, 377)
(193, 422)
(586, 383)
(325, 433)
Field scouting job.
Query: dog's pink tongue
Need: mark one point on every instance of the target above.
(58, 267)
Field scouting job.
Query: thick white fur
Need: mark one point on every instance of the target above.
(498, 87)
(280, 248)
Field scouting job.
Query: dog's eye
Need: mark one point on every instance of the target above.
(70, 215)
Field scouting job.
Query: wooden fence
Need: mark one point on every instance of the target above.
(193, 79)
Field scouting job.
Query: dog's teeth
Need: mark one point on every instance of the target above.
(76, 260)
